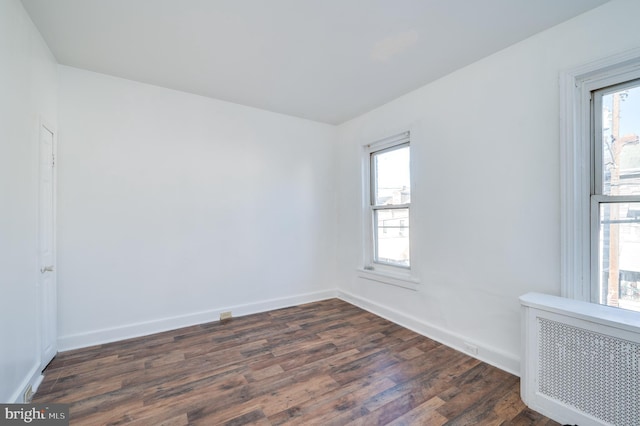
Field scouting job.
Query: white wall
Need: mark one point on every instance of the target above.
(486, 216)
(173, 207)
(28, 91)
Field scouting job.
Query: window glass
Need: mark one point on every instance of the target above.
(619, 257)
(392, 184)
(392, 236)
(616, 195)
(620, 148)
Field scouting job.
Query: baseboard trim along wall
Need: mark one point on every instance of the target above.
(97, 337)
(498, 359)
(491, 356)
(33, 378)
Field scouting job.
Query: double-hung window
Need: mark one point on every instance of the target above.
(389, 203)
(601, 182)
(615, 195)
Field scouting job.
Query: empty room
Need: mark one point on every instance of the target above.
(320, 212)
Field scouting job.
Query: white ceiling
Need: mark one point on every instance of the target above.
(325, 60)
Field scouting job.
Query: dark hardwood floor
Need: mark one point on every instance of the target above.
(323, 363)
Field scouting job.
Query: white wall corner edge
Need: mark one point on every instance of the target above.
(496, 358)
(34, 377)
(108, 335)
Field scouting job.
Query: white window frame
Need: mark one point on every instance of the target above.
(397, 275)
(578, 168)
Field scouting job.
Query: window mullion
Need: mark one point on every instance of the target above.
(390, 206)
(616, 198)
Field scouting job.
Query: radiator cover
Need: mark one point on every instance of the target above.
(580, 361)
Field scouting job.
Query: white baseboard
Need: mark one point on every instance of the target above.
(34, 378)
(499, 359)
(491, 356)
(97, 337)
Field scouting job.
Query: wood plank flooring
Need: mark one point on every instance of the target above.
(323, 363)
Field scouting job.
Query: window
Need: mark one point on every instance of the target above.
(615, 195)
(388, 203)
(600, 157)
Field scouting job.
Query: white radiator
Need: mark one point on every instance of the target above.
(580, 361)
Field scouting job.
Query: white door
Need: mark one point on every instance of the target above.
(47, 282)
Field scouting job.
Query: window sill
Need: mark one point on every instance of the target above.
(398, 280)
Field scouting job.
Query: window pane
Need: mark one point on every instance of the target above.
(391, 185)
(392, 236)
(619, 257)
(620, 147)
